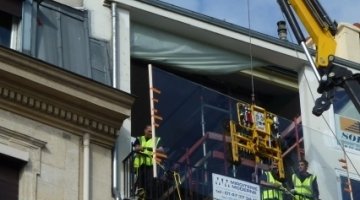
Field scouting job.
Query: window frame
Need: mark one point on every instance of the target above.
(339, 173)
(13, 8)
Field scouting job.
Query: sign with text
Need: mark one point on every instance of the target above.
(227, 188)
(348, 132)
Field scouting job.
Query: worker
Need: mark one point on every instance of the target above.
(143, 162)
(304, 184)
(271, 184)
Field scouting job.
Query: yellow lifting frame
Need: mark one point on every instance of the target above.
(253, 134)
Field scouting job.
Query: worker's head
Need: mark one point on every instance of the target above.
(148, 131)
(303, 165)
(274, 166)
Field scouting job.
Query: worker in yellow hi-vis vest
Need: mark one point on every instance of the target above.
(270, 184)
(143, 161)
(304, 184)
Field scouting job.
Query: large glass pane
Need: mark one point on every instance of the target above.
(194, 132)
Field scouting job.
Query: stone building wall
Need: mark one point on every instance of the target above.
(45, 113)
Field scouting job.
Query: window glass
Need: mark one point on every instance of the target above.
(193, 129)
(5, 29)
(99, 58)
(355, 184)
(344, 106)
(62, 37)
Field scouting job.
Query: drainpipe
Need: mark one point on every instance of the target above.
(115, 162)
(86, 178)
(114, 44)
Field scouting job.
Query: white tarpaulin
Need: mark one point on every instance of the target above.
(186, 55)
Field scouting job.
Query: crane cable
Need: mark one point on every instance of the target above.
(251, 73)
(250, 54)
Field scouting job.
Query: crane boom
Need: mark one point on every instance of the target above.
(331, 72)
(318, 25)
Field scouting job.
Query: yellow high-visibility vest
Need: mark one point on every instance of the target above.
(271, 193)
(145, 157)
(303, 188)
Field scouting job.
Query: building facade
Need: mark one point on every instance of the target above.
(59, 124)
(71, 71)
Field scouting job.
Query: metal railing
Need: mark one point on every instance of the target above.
(184, 182)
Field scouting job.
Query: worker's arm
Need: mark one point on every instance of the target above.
(137, 146)
(263, 181)
(315, 189)
(275, 185)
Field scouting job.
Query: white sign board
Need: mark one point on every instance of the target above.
(227, 188)
(348, 132)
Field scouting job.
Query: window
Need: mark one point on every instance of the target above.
(355, 184)
(10, 13)
(5, 29)
(100, 63)
(9, 177)
(62, 37)
(344, 106)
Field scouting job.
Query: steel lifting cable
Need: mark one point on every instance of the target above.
(326, 122)
(251, 72)
(251, 56)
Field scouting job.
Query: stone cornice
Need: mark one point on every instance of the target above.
(46, 93)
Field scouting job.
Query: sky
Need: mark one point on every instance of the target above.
(262, 15)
